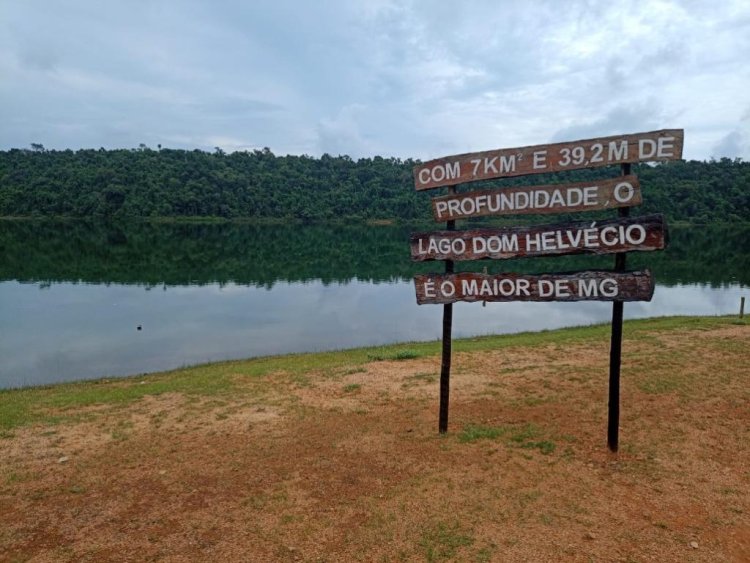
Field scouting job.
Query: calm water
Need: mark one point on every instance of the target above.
(73, 294)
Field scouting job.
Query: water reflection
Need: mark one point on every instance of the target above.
(71, 331)
(72, 295)
(180, 254)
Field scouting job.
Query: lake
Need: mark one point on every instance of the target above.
(83, 300)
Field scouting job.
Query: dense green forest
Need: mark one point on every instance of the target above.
(260, 185)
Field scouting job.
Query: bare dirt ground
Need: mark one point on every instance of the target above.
(348, 466)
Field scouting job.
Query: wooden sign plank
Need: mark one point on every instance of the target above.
(584, 237)
(593, 285)
(660, 145)
(624, 191)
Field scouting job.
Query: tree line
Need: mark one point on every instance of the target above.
(144, 182)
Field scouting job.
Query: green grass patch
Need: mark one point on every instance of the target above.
(659, 385)
(528, 436)
(399, 354)
(352, 387)
(474, 432)
(418, 379)
(544, 446)
(442, 541)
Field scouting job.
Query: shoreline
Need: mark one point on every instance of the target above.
(188, 377)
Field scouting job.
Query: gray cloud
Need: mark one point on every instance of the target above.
(731, 145)
(625, 118)
(410, 78)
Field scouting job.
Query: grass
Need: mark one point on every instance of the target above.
(387, 354)
(474, 432)
(442, 541)
(526, 436)
(67, 402)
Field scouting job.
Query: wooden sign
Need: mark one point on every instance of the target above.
(589, 237)
(539, 159)
(591, 285)
(624, 191)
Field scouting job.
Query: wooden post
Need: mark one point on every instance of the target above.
(445, 365)
(742, 307)
(615, 348)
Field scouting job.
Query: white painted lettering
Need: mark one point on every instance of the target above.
(508, 163)
(557, 199)
(506, 201)
(624, 192)
(536, 241)
(575, 237)
(561, 288)
(608, 287)
(481, 202)
(666, 147)
(548, 240)
(590, 194)
(453, 208)
(596, 152)
(447, 288)
(510, 243)
(546, 288)
(424, 175)
(615, 153)
(540, 159)
(646, 149)
(635, 234)
(494, 204)
(575, 197)
(590, 237)
(561, 244)
(604, 235)
(453, 170)
(489, 165)
(522, 200)
(438, 173)
(587, 288)
(469, 287)
(522, 287)
(429, 289)
(541, 199)
(506, 287)
(486, 290)
(441, 207)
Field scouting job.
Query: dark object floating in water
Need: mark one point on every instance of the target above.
(139, 327)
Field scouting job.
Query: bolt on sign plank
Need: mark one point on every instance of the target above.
(593, 285)
(645, 233)
(624, 191)
(660, 145)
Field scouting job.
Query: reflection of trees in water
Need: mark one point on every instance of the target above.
(179, 254)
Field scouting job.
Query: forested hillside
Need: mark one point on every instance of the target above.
(259, 185)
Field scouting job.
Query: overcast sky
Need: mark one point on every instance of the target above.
(407, 79)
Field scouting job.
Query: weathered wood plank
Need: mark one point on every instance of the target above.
(645, 233)
(550, 198)
(593, 285)
(660, 145)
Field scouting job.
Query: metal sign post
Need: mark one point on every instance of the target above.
(445, 364)
(615, 349)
